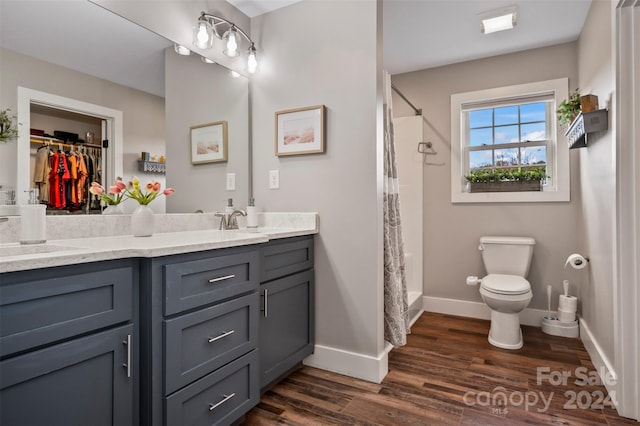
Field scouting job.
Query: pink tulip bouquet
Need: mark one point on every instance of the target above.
(145, 195)
(114, 196)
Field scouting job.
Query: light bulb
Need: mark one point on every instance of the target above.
(181, 50)
(232, 42)
(203, 34)
(252, 62)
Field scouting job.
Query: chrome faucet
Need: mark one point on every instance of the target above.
(232, 222)
(229, 220)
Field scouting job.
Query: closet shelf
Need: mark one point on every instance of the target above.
(151, 167)
(585, 123)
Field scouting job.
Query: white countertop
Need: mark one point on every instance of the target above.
(17, 257)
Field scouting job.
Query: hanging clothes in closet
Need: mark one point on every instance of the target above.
(63, 178)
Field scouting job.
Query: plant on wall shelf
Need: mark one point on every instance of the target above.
(8, 129)
(569, 109)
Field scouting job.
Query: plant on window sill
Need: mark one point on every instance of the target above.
(506, 180)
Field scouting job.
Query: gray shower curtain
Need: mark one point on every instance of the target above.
(396, 306)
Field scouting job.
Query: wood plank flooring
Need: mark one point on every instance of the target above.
(449, 374)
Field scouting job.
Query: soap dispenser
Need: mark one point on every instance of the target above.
(229, 208)
(252, 216)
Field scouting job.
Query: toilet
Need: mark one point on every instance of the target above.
(505, 289)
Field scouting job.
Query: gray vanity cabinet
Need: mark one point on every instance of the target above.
(69, 345)
(287, 308)
(199, 316)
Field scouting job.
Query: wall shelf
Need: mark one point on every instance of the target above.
(585, 123)
(151, 167)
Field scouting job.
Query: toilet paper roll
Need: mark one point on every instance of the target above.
(576, 261)
(33, 224)
(568, 303)
(564, 316)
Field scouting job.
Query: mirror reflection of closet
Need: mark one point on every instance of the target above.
(65, 157)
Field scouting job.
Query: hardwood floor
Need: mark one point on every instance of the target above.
(449, 374)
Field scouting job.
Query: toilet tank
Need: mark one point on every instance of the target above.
(507, 255)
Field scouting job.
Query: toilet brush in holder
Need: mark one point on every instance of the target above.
(553, 326)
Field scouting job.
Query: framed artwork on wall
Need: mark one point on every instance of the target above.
(300, 131)
(209, 143)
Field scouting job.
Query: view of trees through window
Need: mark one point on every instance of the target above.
(508, 136)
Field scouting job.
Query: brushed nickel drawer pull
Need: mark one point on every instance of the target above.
(224, 334)
(127, 365)
(226, 398)
(226, 277)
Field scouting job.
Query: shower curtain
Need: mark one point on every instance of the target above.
(396, 306)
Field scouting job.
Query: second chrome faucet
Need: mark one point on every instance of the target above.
(230, 220)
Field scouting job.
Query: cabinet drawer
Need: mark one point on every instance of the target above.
(219, 398)
(200, 342)
(79, 382)
(199, 282)
(286, 257)
(36, 308)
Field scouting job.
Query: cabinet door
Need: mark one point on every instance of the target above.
(85, 381)
(286, 324)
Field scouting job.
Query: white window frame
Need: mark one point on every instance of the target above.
(556, 190)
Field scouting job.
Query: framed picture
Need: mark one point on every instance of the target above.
(300, 131)
(209, 143)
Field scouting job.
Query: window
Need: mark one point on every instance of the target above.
(506, 128)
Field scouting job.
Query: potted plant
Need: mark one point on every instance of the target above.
(569, 109)
(8, 129)
(506, 180)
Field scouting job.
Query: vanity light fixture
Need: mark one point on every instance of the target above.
(207, 27)
(498, 20)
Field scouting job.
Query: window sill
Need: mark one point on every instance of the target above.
(547, 195)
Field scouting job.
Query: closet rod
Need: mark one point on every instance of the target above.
(417, 110)
(52, 142)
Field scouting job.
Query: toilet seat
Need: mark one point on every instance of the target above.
(505, 284)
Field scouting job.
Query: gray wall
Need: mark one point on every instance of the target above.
(197, 93)
(322, 55)
(143, 113)
(452, 231)
(598, 179)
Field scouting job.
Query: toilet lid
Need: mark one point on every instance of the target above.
(505, 284)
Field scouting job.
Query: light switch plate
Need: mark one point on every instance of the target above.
(231, 181)
(274, 179)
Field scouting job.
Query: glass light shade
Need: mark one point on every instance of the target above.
(181, 50)
(234, 74)
(207, 60)
(203, 34)
(232, 42)
(252, 61)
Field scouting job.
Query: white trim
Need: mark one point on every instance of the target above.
(479, 310)
(627, 268)
(28, 96)
(558, 162)
(359, 366)
(600, 361)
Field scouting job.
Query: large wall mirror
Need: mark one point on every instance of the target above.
(76, 50)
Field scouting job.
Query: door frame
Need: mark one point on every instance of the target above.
(114, 124)
(627, 268)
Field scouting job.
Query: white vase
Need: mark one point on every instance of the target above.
(142, 221)
(117, 209)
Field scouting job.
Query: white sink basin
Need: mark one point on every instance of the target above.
(22, 250)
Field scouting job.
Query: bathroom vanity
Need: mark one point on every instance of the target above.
(179, 328)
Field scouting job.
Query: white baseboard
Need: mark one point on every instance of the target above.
(480, 310)
(365, 367)
(601, 362)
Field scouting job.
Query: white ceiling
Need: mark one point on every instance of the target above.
(417, 34)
